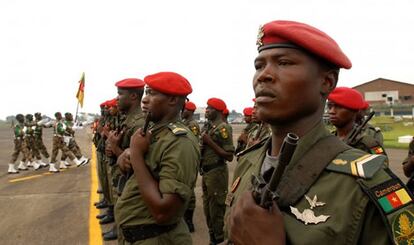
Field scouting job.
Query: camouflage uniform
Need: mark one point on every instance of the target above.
(172, 159)
(40, 146)
(19, 143)
(29, 139)
(69, 136)
(58, 142)
(215, 179)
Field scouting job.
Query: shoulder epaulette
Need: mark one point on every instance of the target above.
(253, 147)
(177, 130)
(354, 163)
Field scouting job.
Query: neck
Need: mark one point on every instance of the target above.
(299, 127)
(217, 121)
(133, 107)
(342, 132)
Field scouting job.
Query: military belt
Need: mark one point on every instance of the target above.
(142, 232)
(208, 168)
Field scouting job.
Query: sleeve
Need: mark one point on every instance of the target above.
(178, 167)
(226, 138)
(373, 230)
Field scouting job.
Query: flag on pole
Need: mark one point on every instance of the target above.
(81, 91)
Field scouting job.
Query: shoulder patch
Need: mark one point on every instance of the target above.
(176, 130)
(353, 163)
(377, 150)
(395, 204)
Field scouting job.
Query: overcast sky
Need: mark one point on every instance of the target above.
(46, 45)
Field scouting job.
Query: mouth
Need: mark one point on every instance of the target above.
(264, 97)
(145, 109)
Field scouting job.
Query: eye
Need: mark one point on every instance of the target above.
(284, 62)
(258, 65)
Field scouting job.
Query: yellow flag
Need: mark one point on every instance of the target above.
(81, 91)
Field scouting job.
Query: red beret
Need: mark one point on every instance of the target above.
(226, 112)
(248, 111)
(169, 83)
(291, 34)
(130, 83)
(112, 103)
(366, 105)
(217, 104)
(190, 106)
(102, 104)
(347, 97)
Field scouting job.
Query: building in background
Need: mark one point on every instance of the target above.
(388, 97)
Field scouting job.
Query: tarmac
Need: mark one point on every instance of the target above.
(37, 207)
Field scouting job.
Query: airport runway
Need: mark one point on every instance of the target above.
(41, 208)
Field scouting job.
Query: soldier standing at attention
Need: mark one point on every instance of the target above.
(242, 140)
(188, 121)
(19, 144)
(130, 92)
(38, 136)
(344, 105)
(329, 193)
(217, 148)
(164, 162)
(259, 132)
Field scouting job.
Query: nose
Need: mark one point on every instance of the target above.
(145, 100)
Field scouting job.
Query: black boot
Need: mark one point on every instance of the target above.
(101, 216)
(188, 217)
(111, 235)
(109, 217)
(101, 205)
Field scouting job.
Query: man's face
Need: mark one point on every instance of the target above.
(287, 85)
(58, 116)
(186, 114)
(156, 103)
(247, 119)
(113, 110)
(69, 117)
(340, 116)
(38, 117)
(124, 100)
(211, 113)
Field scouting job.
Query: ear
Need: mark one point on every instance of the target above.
(172, 100)
(329, 82)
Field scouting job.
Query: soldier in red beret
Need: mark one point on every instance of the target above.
(329, 193)
(164, 160)
(192, 124)
(344, 106)
(242, 140)
(130, 92)
(217, 148)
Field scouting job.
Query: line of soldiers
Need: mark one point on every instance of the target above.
(150, 152)
(28, 140)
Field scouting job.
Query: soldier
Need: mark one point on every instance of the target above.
(344, 105)
(408, 163)
(29, 138)
(242, 140)
(164, 163)
(130, 92)
(38, 139)
(217, 148)
(368, 128)
(259, 132)
(19, 144)
(69, 139)
(329, 193)
(188, 121)
(60, 144)
(225, 115)
(99, 141)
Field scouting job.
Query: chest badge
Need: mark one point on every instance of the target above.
(308, 215)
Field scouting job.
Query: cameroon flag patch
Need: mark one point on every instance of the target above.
(377, 150)
(391, 195)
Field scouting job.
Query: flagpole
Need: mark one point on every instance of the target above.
(76, 115)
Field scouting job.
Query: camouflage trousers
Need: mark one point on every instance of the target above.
(40, 146)
(74, 148)
(31, 146)
(20, 146)
(214, 184)
(58, 144)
